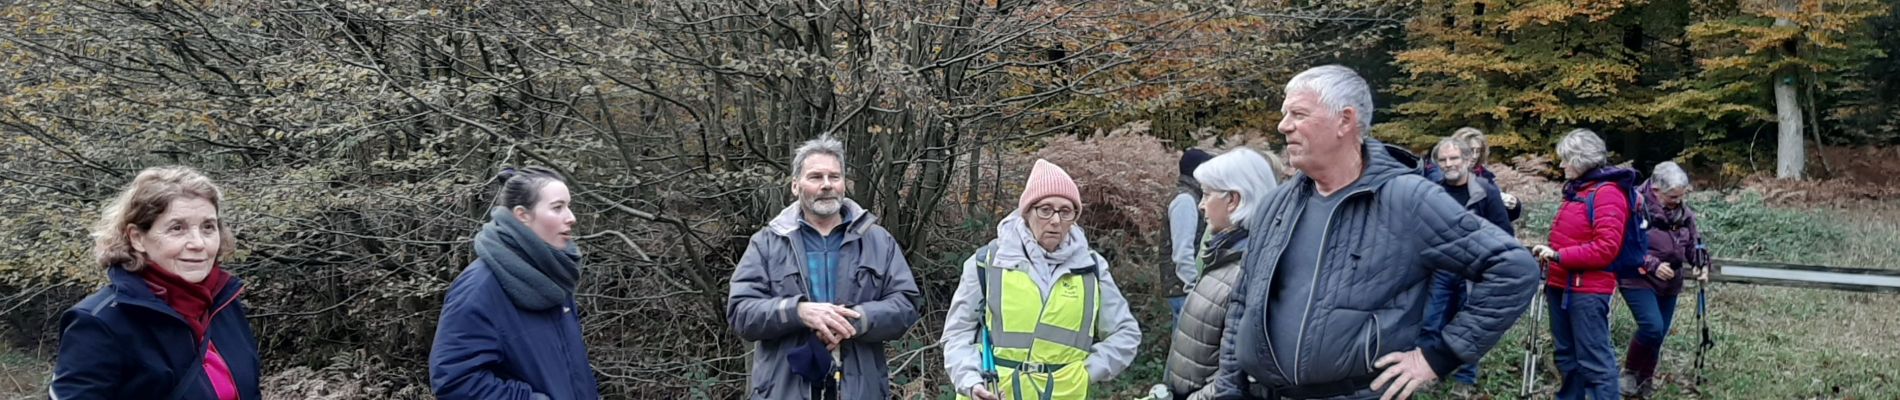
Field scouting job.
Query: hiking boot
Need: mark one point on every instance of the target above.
(1628, 384)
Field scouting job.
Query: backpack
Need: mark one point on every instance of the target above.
(1629, 259)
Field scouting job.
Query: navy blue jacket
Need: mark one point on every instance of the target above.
(123, 342)
(486, 348)
(1484, 199)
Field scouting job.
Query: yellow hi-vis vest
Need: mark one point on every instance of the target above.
(1041, 346)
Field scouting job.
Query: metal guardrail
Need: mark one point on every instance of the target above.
(1807, 276)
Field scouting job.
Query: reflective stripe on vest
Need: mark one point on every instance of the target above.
(1063, 332)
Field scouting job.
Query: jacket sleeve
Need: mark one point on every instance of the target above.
(1115, 329)
(962, 354)
(895, 310)
(1494, 211)
(751, 308)
(467, 352)
(1697, 255)
(1606, 232)
(1229, 382)
(1503, 276)
(1183, 217)
(88, 365)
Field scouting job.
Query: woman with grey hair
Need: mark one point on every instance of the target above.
(1675, 243)
(1585, 239)
(1231, 185)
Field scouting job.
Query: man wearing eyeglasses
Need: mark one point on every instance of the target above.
(820, 289)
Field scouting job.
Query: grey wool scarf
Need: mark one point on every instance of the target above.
(535, 276)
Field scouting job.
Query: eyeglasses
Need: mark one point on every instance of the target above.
(1047, 212)
(1210, 194)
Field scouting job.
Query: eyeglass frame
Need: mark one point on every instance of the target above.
(1053, 213)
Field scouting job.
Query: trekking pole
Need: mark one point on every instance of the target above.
(1708, 341)
(989, 362)
(1528, 385)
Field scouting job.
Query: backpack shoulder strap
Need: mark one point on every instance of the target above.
(1590, 206)
(987, 257)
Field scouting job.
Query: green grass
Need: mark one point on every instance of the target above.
(1772, 342)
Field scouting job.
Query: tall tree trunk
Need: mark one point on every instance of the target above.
(1791, 152)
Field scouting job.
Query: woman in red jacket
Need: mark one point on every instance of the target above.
(1584, 239)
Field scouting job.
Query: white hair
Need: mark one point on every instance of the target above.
(1243, 172)
(1669, 176)
(1583, 149)
(1338, 88)
(824, 144)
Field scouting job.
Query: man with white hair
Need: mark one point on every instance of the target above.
(1335, 282)
(821, 288)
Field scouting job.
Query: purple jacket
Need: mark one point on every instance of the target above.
(1673, 236)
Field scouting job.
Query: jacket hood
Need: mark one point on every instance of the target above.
(1606, 174)
(133, 289)
(856, 219)
(1016, 247)
(1383, 163)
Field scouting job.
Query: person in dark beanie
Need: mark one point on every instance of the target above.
(1186, 230)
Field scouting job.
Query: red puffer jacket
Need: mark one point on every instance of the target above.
(1586, 247)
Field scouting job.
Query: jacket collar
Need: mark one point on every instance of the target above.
(131, 290)
(1474, 186)
(1605, 174)
(1383, 163)
(790, 218)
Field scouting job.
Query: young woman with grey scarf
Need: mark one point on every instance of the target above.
(508, 328)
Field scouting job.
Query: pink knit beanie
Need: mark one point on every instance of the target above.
(1048, 180)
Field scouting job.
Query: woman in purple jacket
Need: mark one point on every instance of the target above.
(1675, 251)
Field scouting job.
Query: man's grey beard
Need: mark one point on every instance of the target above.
(824, 207)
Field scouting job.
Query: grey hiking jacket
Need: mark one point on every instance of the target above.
(872, 278)
(1384, 241)
(1194, 354)
(1116, 334)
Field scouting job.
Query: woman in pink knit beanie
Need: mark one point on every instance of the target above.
(1040, 260)
(1049, 190)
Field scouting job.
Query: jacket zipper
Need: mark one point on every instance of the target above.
(1372, 341)
(567, 310)
(1268, 293)
(1299, 342)
(227, 303)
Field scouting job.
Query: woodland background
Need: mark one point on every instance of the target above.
(356, 139)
